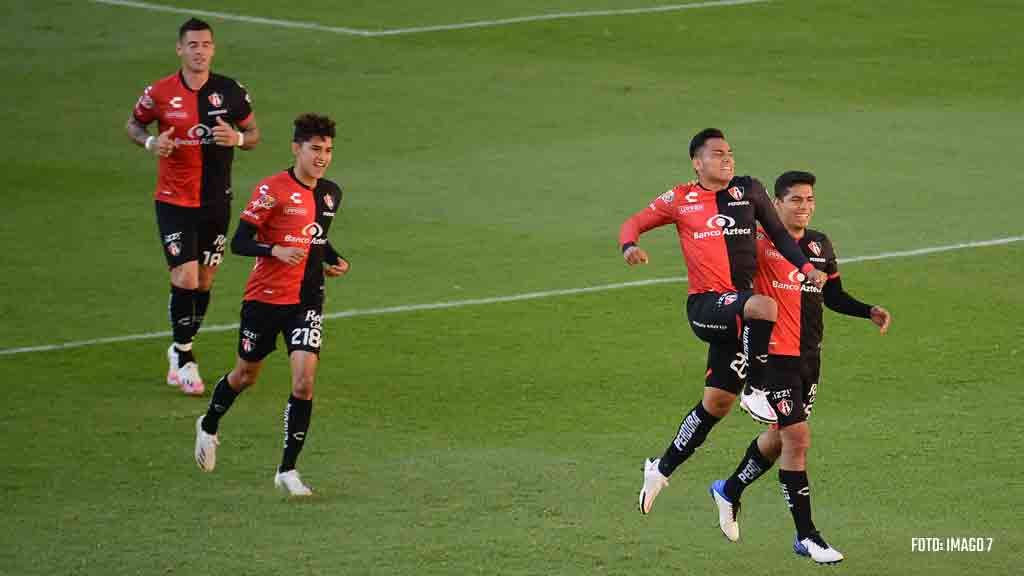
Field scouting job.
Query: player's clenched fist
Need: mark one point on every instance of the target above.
(288, 254)
(162, 145)
(635, 255)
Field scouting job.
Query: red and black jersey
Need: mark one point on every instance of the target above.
(286, 212)
(716, 232)
(198, 172)
(800, 327)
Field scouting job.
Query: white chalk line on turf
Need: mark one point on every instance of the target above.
(302, 25)
(494, 300)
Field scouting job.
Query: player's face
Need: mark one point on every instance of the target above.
(313, 156)
(714, 163)
(196, 51)
(797, 208)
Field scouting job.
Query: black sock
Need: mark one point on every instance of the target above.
(692, 432)
(756, 336)
(223, 396)
(202, 302)
(752, 467)
(296, 423)
(181, 309)
(798, 497)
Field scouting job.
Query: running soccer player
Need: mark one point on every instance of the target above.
(715, 219)
(201, 117)
(794, 357)
(285, 227)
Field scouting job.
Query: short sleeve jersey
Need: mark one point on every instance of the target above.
(198, 172)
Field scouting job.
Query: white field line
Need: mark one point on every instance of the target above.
(420, 29)
(493, 300)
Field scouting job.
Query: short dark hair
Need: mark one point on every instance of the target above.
(703, 136)
(193, 24)
(309, 125)
(789, 179)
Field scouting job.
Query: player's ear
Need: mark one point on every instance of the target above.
(295, 148)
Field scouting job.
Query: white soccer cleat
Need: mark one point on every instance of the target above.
(172, 366)
(206, 448)
(291, 483)
(754, 401)
(654, 481)
(727, 511)
(189, 380)
(815, 548)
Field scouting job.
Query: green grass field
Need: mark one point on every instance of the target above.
(507, 438)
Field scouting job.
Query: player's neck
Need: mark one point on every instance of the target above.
(710, 184)
(306, 180)
(195, 80)
(795, 232)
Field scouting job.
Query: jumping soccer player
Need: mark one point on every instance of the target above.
(201, 117)
(285, 227)
(794, 357)
(715, 219)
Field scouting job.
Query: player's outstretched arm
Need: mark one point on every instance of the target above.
(658, 213)
(838, 300)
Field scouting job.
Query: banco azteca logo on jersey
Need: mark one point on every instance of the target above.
(312, 233)
(198, 134)
(721, 225)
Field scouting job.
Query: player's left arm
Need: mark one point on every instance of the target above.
(242, 130)
(840, 301)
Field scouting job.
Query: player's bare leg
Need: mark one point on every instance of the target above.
(297, 415)
(182, 369)
(759, 316)
(228, 388)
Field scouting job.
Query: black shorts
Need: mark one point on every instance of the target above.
(189, 234)
(301, 325)
(716, 318)
(796, 384)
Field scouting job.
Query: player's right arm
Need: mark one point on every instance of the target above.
(657, 213)
(261, 207)
(143, 115)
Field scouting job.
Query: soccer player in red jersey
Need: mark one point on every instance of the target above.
(794, 358)
(285, 228)
(716, 219)
(201, 117)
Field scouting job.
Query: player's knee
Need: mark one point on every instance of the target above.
(760, 307)
(184, 278)
(245, 376)
(302, 386)
(718, 403)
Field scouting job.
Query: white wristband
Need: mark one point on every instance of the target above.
(149, 142)
(241, 138)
